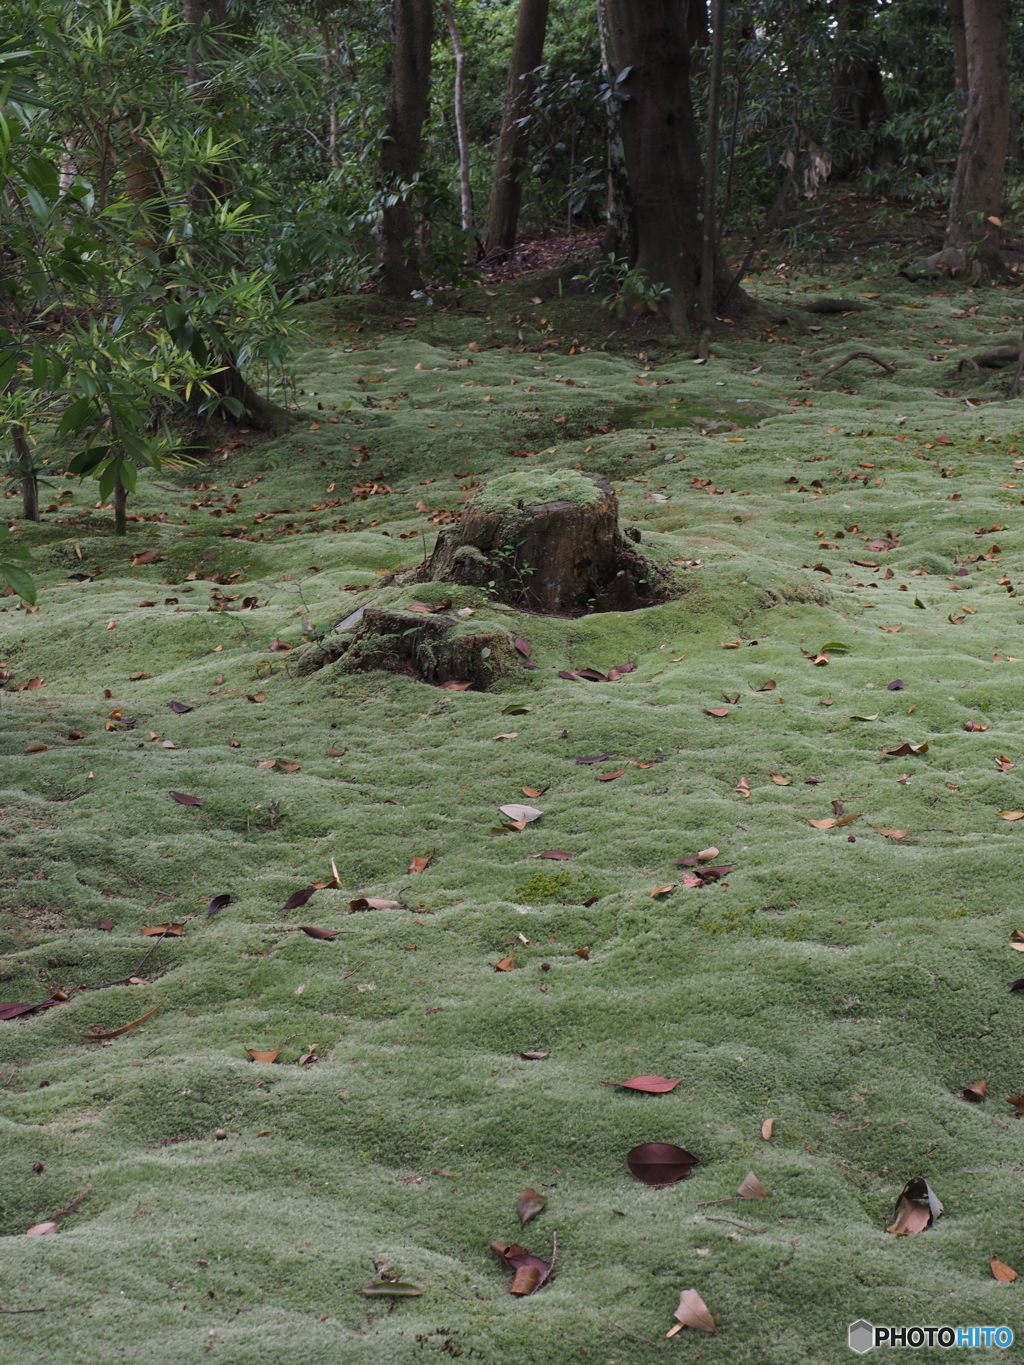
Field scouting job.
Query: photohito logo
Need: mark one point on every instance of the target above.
(863, 1336)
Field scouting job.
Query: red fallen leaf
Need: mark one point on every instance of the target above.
(690, 880)
(266, 1057)
(373, 903)
(179, 708)
(660, 1163)
(905, 750)
(277, 646)
(169, 930)
(532, 1056)
(320, 933)
(584, 953)
(609, 777)
(916, 1209)
(523, 646)
(218, 903)
(11, 1010)
(105, 924)
(600, 758)
(974, 1093)
(420, 864)
(1017, 985)
(719, 711)
(184, 800)
(618, 671)
(555, 854)
(743, 786)
(649, 1085)
(693, 1312)
(298, 898)
(530, 1203)
(974, 725)
(1001, 1271)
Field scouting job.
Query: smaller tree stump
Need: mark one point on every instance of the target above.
(549, 543)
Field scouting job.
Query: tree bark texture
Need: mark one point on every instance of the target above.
(29, 477)
(858, 100)
(710, 236)
(461, 134)
(977, 193)
(514, 137)
(659, 135)
(120, 508)
(619, 223)
(958, 34)
(408, 100)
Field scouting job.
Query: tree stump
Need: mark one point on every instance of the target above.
(549, 543)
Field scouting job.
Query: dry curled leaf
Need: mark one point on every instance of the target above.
(218, 903)
(265, 1057)
(769, 686)
(532, 1056)
(97, 1034)
(693, 1312)
(827, 823)
(974, 726)
(609, 777)
(530, 1203)
(36, 747)
(767, 1128)
(664, 890)
(170, 930)
(743, 786)
(916, 1209)
(530, 1271)
(298, 898)
(717, 711)
(42, 1230)
(525, 814)
(751, 1188)
(584, 953)
(555, 854)
(975, 1093)
(1011, 815)
(660, 1163)
(506, 964)
(421, 862)
(373, 903)
(313, 932)
(1001, 1271)
(781, 781)
(894, 834)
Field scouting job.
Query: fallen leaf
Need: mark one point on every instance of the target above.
(874, 717)
(974, 725)
(905, 750)
(743, 786)
(693, 1312)
(11, 1010)
(767, 1128)
(664, 890)
(421, 863)
(916, 1209)
(313, 932)
(100, 1035)
(718, 711)
(532, 1056)
(516, 708)
(1001, 1271)
(531, 1271)
(1004, 764)
(298, 898)
(529, 1204)
(781, 781)
(36, 747)
(609, 777)
(265, 1057)
(456, 686)
(218, 903)
(892, 833)
(527, 814)
(600, 758)
(648, 1085)
(141, 557)
(42, 1230)
(523, 646)
(512, 734)
(404, 1289)
(277, 646)
(890, 630)
(827, 823)
(373, 903)
(171, 930)
(179, 708)
(256, 697)
(660, 1163)
(507, 964)
(184, 800)
(751, 1188)
(975, 1093)
(234, 743)
(105, 924)
(1011, 815)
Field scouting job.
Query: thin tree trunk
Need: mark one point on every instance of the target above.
(332, 59)
(659, 136)
(462, 136)
(29, 478)
(958, 33)
(620, 226)
(976, 198)
(707, 259)
(514, 137)
(858, 98)
(408, 97)
(120, 508)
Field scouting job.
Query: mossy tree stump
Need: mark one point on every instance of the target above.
(549, 543)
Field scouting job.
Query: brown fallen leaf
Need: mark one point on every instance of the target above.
(105, 924)
(97, 1034)
(584, 953)
(1001, 1271)
(511, 734)
(533, 1056)
(235, 743)
(974, 726)
(1004, 764)
(555, 854)
(609, 777)
(507, 964)
(530, 1271)
(743, 786)
(975, 1093)
(256, 697)
(529, 1204)
(170, 930)
(647, 1085)
(533, 791)
(456, 686)
(730, 644)
(664, 890)
(767, 1128)
(421, 862)
(1011, 815)
(916, 1209)
(890, 630)
(298, 898)
(751, 1188)
(827, 823)
(42, 1230)
(313, 932)
(769, 686)
(894, 834)
(373, 903)
(718, 711)
(693, 1312)
(660, 1163)
(142, 557)
(184, 800)
(781, 781)
(265, 1057)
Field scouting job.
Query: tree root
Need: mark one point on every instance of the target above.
(854, 355)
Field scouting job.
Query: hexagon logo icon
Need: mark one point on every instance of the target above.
(862, 1336)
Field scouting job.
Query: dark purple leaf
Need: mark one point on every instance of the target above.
(1017, 985)
(184, 800)
(105, 924)
(10, 1011)
(298, 898)
(897, 685)
(660, 1163)
(600, 758)
(837, 807)
(591, 674)
(320, 933)
(218, 903)
(523, 646)
(692, 861)
(564, 673)
(179, 707)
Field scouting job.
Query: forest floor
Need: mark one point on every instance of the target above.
(846, 981)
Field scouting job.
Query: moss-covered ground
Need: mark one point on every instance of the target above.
(847, 983)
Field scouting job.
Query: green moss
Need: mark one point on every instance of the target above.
(509, 492)
(566, 887)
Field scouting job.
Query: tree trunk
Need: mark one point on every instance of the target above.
(554, 548)
(462, 136)
(408, 101)
(710, 236)
(514, 137)
(120, 508)
(620, 225)
(858, 101)
(659, 135)
(977, 193)
(204, 15)
(29, 478)
(959, 36)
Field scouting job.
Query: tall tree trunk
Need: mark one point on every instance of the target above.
(710, 242)
(977, 193)
(120, 508)
(858, 99)
(204, 15)
(461, 134)
(619, 223)
(514, 137)
(408, 99)
(659, 136)
(29, 478)
(958, 33)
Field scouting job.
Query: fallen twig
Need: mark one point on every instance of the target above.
(22, 1310)
(636, 1336)
(70, 1208)
(708, 1218)
(123, 980)
(855, 355)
